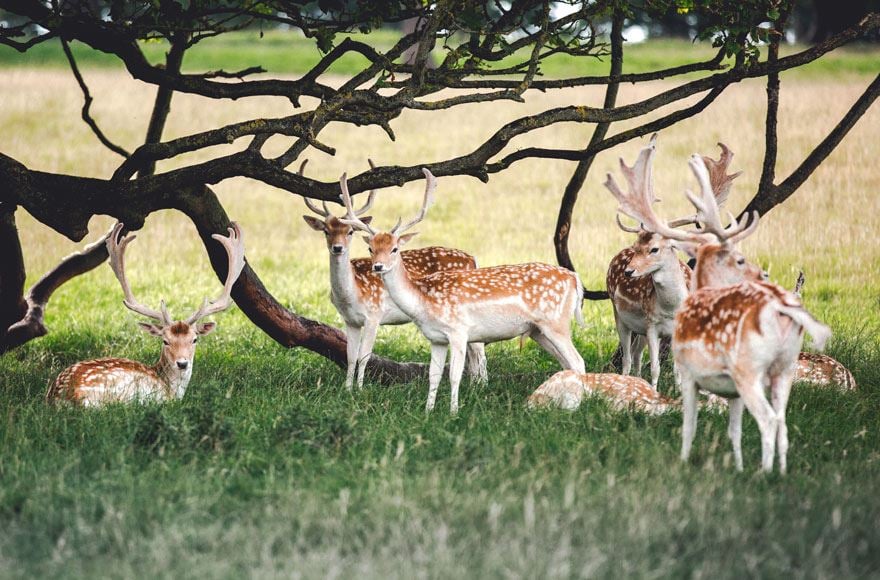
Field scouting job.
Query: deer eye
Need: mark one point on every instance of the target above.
(165, 342)
(394, 250)
(654, 250)
(370, 250)
(195, 340)
(740, 261)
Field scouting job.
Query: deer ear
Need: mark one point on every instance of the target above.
(405, 238)
(314, 223)
(367, 219)
(204, 328)
(151, 328)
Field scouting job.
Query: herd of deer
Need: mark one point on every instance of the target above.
(735, 335)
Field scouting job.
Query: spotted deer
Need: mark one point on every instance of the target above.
(360, 297)
(821, 369)
(734, 338)
(566, 390)
(646, 281)
(485, 305)
(107, 380)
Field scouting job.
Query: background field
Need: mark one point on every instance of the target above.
(269, 468)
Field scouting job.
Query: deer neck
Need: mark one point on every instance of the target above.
(408, 297)
(343, 287)
(670, 284)
(175, 380)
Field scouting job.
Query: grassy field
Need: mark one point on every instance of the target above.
(268, 468)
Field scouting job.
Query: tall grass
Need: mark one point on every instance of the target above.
(268, 468)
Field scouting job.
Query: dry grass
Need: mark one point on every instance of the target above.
(827, 228)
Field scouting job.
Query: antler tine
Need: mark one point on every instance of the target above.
(370, 196)
(351, 217)
(708, 211)
(430, 186)
(625, 227)
(234, 246)
(116, 248)
(799, 285)
(324, 213)
(718, 177)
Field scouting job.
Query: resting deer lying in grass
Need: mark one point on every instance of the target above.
(360, 297)
(566, 390)
(453, 309)
(732, 338)
(646, 281)
(109, 380)
(821, 369)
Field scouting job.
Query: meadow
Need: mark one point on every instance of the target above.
(268, 467)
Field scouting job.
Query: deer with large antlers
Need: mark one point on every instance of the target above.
(360, 297)
(453, 309)
(734, 338)
(100, 381)
(646, 281)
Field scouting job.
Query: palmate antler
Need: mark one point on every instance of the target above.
(325, 212)
(638, 202)
(116, 248)
(234, 246)
(351, 217)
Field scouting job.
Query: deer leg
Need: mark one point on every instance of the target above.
(625, 336)
(734, 430)
(456, 366)
(780, 389)
(752, 393)
(689, 413)
(352, 344)
(654, 354)
(476, 362)
(560, 346)
(435, 373)
(365, 351)
(638, 348)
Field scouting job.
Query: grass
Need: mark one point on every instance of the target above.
(286, 52)
(268, 468)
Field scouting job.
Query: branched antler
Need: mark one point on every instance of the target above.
(234, 246)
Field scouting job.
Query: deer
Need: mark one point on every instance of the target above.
(646, 281)
(454, 308)
(821, 369)
(96, 382)
(735, 336)
(359, 296)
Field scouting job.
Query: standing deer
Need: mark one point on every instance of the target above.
(453, 309)
(107, 380)
(733, 338)
(360, 297)
(646, 281)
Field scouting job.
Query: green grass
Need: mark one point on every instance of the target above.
(281, 52)
(268, 467)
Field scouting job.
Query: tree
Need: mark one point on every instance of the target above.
(488, 51)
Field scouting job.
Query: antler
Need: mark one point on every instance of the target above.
(116, 248)
(719, 180)
(234, 245)
(430, 186)
(708, 212)
(325, 212)
(351, 217)
(638, 202)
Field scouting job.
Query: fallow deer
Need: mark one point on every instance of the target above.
(733, 338)
(566, 390)
(484, 305)
(100, 381)
(360, 297)
(646, 281)
(821, 369)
